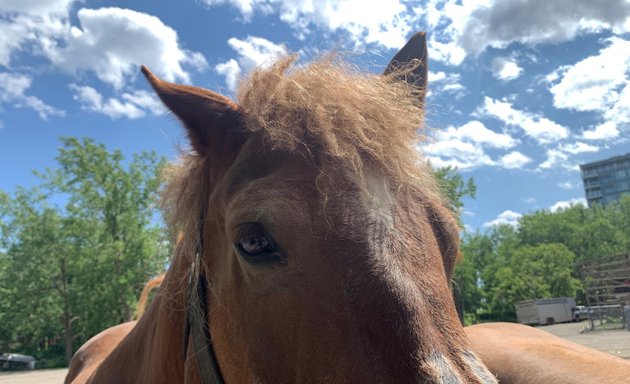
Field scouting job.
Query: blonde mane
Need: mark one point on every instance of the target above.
(327, 109)
(350, 117)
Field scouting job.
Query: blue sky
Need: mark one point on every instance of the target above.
(521, 91)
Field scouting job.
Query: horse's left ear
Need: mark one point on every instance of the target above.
(413, 55)
(212, 120)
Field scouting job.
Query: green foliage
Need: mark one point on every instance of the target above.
(72, 269)
(541, 271)
(455, 188)
(540, 258)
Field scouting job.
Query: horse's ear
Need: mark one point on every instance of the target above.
(212, 120)
(415, 56)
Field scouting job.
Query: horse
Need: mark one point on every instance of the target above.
(317, 247)
(520, 354)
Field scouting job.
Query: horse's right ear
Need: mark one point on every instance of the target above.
(415, 56)
(212, 120)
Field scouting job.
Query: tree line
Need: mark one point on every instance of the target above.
(76, 250)
(541, 257)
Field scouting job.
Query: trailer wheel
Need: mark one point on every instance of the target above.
(551, 321)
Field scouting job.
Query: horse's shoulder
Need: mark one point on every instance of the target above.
(94, 351)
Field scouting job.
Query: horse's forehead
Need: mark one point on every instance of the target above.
(367, 207)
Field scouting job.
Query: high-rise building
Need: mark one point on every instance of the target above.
(606, 180)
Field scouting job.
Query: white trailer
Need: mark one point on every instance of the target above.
(545, 311)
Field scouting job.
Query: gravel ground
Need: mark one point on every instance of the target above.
(40, 376)
(615, 342)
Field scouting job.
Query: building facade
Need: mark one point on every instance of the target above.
(606, 180)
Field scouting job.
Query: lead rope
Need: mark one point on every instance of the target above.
(197, 320)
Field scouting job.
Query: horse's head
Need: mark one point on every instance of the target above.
(327, 250)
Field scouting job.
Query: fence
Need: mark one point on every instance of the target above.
(607, 317)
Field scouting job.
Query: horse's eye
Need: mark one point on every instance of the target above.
(256, 246)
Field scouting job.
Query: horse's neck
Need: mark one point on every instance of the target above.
(153, 352)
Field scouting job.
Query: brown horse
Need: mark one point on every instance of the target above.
(316, 245)
(519, 354)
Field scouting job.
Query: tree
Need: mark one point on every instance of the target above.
(537, 272)
(75, 267)
(477, 251)
(455, 188)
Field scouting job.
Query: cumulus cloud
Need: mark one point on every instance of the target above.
(578, 147)
(470, 27)
(557, 158)
(35, 6)
(131, 105)
(475, 131)
(386, 23)
(567, 185)
(110, 42)
(599, 83)
(464, 147)
(113, 42)
(456, 153)
(13, 87)
(31, 25)
(514, 160)
(505, 69)
(561, 205)
(538, 127)
(445, 82)
(504, 218)
(252, 52)
(561, 156)
(607, 130)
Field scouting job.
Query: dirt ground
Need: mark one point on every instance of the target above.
(40, 376)
(615, 342)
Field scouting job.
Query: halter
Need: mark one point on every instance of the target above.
(197, 318)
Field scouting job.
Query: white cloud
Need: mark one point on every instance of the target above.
(505, 69)
(557, 158)
(231, 71)
(464, 147)
(505, 218)
(470, 27)
(607, 130)
(599, 83)
(113, 42)
(445, 82)
(131, 105)
(31, 25)
(620, 111)
(529, 200)
(538, 127)
(456, 153)
(561, 205)
(560, 157)
(12, 91)
(567, 185)
(514, 160)
(578, 147)
(252, 52)
(386, 23)
(476, 132)
(35, 6)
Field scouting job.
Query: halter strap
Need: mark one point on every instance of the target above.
(196, 326)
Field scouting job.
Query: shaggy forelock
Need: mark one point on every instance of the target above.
(331, 110)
